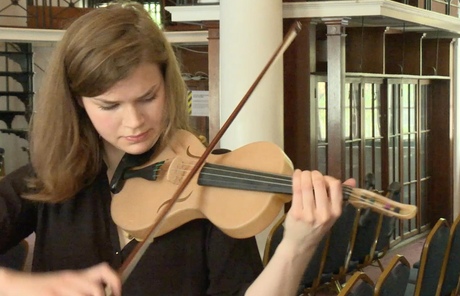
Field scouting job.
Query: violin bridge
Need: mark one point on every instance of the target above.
(178, 169)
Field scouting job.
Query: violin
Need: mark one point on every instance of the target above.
(241, 192)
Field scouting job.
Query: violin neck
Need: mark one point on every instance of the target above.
(216, 175)
(234, 178)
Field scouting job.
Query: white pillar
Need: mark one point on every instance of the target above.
(250, 32)
(456, 123)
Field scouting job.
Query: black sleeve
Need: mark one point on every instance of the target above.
(17, 215)
(233, 263)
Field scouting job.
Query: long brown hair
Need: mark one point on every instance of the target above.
(98, 49)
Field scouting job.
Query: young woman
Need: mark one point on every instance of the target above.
(114, 87)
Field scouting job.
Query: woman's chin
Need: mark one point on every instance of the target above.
(137, 148)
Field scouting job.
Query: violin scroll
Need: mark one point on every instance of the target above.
(362, 198)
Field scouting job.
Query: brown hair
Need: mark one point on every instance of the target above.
(99, 49)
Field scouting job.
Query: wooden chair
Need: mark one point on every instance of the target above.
(423, 281)
(329, 257)
(273, 240)
(450, 274)
(394, 278)
(328, 267)
(359, 284)
(15, 258)
(373, 235)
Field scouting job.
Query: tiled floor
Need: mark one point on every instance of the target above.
(411, 250)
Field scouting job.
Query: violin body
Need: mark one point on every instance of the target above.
(237, 212)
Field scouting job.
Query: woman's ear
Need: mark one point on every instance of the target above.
(80, 102)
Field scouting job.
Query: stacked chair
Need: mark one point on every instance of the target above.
(360, 238)
(394, 278)
(358, 285)
(425, 275)
(373, 235)
(450, 274)
(392, 281)
(329, 257)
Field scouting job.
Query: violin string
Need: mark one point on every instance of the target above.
(284, 181)
(244, 176)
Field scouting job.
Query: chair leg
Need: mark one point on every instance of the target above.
(456, 291)
(337, 286)
(380, 265)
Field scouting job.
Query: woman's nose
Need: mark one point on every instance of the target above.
(133, 117)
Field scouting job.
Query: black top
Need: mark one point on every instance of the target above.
(194, 259)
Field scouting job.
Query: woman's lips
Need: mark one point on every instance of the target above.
(137, 138)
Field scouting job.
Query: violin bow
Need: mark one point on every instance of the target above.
(130, 263)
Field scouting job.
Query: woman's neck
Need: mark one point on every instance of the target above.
(112, 157)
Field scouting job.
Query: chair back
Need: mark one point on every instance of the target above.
(273, 240)
(431, 260)
(359, 284)
(15, 258)
(374, 233)
(388, 223)
(451, 270)
(394, 278)
(330, 257)
(341, 232)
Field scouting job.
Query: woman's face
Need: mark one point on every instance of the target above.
(129, 116)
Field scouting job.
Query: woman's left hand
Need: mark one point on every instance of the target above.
(316, 205)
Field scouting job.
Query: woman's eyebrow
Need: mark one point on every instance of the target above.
(147, 94)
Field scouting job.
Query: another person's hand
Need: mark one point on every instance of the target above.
(92, 281)
(316, 205)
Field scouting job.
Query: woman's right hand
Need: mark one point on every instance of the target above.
(91, 281)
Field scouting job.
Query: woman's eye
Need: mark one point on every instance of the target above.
(109, 107)
(149, 99)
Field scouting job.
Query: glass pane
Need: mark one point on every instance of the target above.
(377, 117)
(355, 160)
(368, 111)
(391, 119)
(348, 156)
(413, 201)
(405, 105)
(391, 158)
(322, 161)
(378, 162)
(321, 94)
(369, 162)
(413, 158)
(406, 158)
(423, 155)
(397, 163)
(393, 109)
(412, 106)
(347, 115)
(322, 112)
(405, 199)
(355, 132)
